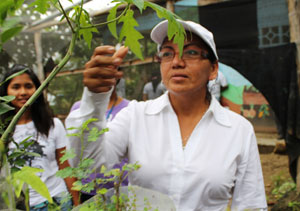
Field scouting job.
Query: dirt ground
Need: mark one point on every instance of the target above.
(275, 168)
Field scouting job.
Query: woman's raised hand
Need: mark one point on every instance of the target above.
(101, 72)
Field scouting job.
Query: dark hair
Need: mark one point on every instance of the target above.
(41, 113)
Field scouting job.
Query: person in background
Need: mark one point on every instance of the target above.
(199, 153)
(48, 134)
(217, 86)
(116, 104)
(153, 88)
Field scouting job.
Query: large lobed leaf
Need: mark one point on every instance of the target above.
(175, 29)
(112, 26)
(86, 33)
(130, 34)
(176, 32)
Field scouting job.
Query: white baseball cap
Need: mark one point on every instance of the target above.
(160, 31)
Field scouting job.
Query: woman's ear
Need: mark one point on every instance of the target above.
(214, 71)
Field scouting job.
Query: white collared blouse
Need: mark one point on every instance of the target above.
(220, 160)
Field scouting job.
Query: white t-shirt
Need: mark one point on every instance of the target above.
(46, 147)
(219, 162)
(214, 86)
(148, 89)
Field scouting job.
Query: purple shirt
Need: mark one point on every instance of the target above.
(110, 115)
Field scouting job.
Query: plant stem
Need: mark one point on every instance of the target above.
(66, 16)
(11, 196)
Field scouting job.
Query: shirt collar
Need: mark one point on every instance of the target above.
(219, 113)
(157, 105)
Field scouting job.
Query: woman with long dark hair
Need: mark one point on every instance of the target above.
(47, 133)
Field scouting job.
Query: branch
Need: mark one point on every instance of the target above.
(66, 16)
(107, 22)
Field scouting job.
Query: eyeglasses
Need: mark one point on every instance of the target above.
(168, 54)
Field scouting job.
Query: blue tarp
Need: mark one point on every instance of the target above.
(187, 3)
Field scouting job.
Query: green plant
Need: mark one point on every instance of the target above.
(295, 205)
(118, 201)
(282, 186)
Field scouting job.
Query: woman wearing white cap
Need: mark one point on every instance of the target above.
(189, 147)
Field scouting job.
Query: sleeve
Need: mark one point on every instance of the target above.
(106, 150)
(60, 134)
(249, 191)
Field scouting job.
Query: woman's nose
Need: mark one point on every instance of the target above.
(178, 61)
(23, 91)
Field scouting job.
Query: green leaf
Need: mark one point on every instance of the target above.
(8, 34)
(94, 135)
(15, 154)
(86, 33)
(115, 172)
(77, 185)
(177, 33)
(28, 175)
(74, 134)
(4, 7)
(18, 184)
(87, 162)
(131, 167)
(85, 124)
(102, 191)
(41, 6)
(64, 173)
(1, 146)
(18, 4)
(20, 162)
(103, 169)
(130, 34)
(32, 154)
(27, 143)
(7, 98)
(14, 169)
(68, 154)
(139, 4)
(73, 128)
(13, 75)
(113, 25)
(5, 108)
(175, 29)
(89, 187)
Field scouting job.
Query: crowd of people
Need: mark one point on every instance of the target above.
(190, 148)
